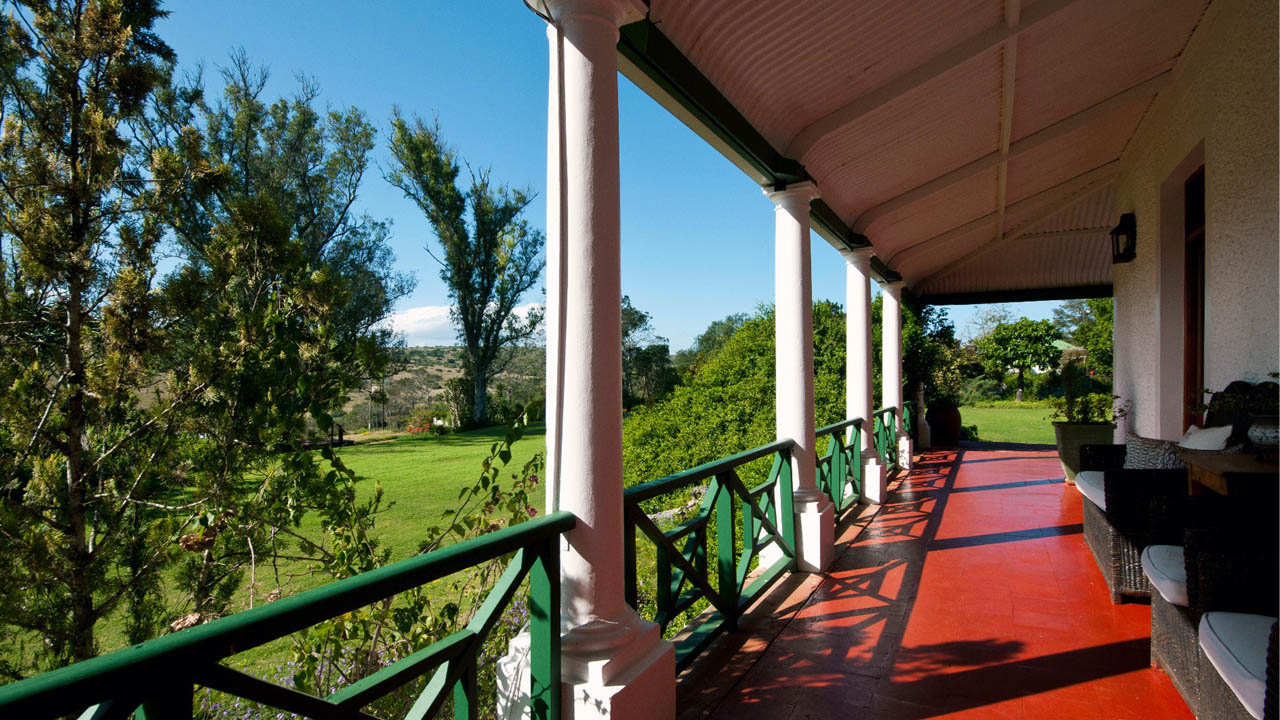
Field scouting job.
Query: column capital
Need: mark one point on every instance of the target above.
(616, 12)
(894, 288)
(860, 258)
(794, 196)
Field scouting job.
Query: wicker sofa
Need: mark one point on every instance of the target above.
(1217, 590)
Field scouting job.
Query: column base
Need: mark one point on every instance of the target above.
(874, 486)
(906, 449)
(611, 671)
(815, 531)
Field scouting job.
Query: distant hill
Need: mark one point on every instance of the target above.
(420, 378)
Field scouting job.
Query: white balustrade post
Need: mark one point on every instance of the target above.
(614, 664)
(793, 325)
(891, 365)
(858, 347)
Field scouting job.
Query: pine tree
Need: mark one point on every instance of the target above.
(84, 435)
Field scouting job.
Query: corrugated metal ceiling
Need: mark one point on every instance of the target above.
(897, 108)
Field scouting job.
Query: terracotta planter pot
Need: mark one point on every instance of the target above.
(944, 425)
(1071, 436)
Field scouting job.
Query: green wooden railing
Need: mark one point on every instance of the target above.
(886, 436)
(158, 678)
(840, 470)
(681, 573)
(909, 418)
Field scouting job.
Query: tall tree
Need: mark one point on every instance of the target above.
(647, 373)
(85, 437)
(1021, 345)
(708, 342)
(278, 305)
(1090, 324)
(489, 256)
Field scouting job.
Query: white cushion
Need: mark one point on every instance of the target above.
(1210, 438)
(1090, 483)
(1166, 567)
(1236, 644)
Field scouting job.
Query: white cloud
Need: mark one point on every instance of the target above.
(430, 324)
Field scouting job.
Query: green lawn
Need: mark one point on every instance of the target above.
(421, 476)
(1017, 425)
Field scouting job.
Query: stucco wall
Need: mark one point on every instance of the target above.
(1223, 105)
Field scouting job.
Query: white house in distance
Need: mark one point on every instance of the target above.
(962, 152)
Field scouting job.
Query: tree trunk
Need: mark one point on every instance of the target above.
(79, 587)
(479, 409)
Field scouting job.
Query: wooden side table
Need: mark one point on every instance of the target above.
(1230, 474)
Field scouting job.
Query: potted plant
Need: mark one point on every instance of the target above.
(1085, 418)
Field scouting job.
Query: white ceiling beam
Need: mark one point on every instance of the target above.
(1050, 202)
(1008, 84)
(958, 54)
(1143, 90)
(1062, 234)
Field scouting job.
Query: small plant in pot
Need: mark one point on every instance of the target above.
(1081, 418)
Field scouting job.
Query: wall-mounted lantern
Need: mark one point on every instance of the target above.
(1124, 239)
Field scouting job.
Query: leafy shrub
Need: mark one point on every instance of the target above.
(1012, 404)
(1079, 404)
(728, 405)
(978, 390)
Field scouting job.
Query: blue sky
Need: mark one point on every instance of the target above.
(697, 234)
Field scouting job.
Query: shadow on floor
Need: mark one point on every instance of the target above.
(839, 649)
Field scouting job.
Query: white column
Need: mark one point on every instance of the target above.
(891, 364)
(793, 323)
(615, 664)
(858, 395)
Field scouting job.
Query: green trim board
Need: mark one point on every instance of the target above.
(823, 218)
(653, 54)
(1023, 295)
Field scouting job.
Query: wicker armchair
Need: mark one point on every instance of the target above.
(1141, 507)
(1145, 507)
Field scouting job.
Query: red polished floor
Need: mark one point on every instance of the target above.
(969, 594)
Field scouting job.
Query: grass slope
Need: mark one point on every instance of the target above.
(422, 475)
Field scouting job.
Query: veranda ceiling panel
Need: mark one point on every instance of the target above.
(931, 218)
(1096, 210)
(946, 131)
(917, 263)
(931, 130)
(1093, 50)
(1073, 154)
(786, 64)
(1053, 262)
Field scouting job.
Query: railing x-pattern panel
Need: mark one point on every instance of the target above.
(909, 418)
(681, 553)
(158, 678)
(886, 436)
(840, 470)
